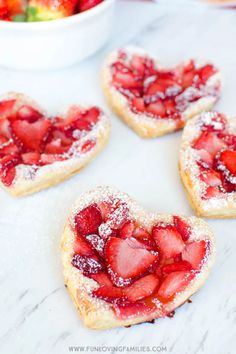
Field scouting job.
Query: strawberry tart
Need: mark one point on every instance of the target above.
(123, 265)
(38, 151)
(208, 164)
(154, 100)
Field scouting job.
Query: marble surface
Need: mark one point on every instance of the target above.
(36, 313)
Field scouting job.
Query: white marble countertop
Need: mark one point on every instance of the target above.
(36, 313)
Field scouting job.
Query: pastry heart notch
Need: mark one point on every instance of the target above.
(154, 100)
(123, 265)
(208, 164)
(38, 151)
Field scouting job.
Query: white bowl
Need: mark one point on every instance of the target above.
(57, 43)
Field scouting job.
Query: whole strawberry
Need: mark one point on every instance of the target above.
(84, 5)
(45, 10)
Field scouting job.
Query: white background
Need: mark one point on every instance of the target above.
(36, 313)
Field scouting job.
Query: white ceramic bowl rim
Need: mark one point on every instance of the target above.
(62, 22)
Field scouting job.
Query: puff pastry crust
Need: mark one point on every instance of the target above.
(144, 125)
(27, 182)
(97, 313)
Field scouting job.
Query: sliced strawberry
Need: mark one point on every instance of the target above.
(56, 147)
(107, 291)
(194, 253)
(172, 284)
(62, 136)
(141, 234)
(187, 79)
(92, 115)
(87, 146)
(96, 242)
(228, 159)
(124, 260)
(5, 128)
(9, 149)
(87, 265)
(157, 108)
(6, 107)
(138, 64)
(142, 288)
(132, 310)
(88, 220)
(82, 247)
(31, 158)
(168, 240)
(3, 140)
(106, 209)
(206, 72)
(85, 5)
(126, 80)
(212, 192)
(7, 169)
(127, 229)
(176, 267)
(211, 178)
(138, 104)
(210, 142)
(28, 113)
(31, 135)
(47, 159)
(182, 227)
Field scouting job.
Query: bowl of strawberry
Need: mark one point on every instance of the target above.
(50, 34)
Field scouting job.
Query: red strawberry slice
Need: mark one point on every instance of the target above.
(173, 283)
(7, 169)
(85, 5)
(212, 192)
(56, 147)
(126, 260)
(6, 108)
(182, 227)
(87, 265)
(138, 64)
(126, 80)
(87, 146)
(31, 135)
(168, 240)
(141, 234)
(105, 209)
(228, 158)
(211, 177)
(9, 149)
(88, 220)
(3, 140)
(138, 104)
(92, 115)
(132, 310)
(31, 158)
(107, 291)
(206, 72)
(142, 288)
(127, 229)
(210, 142)
(194, 253)
(5, 128)
(82, 247)
(176, 267)
(46, 159)
(28, 113)
(157, 108)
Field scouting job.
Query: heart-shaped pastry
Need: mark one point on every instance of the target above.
(38, 151)
(154, 100)
(123, 265)
(208, 164)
